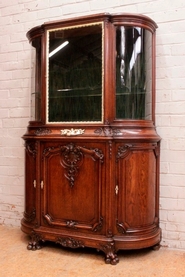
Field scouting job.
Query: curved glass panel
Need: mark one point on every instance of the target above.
(133, 73)
(75, 74)
(36, 80)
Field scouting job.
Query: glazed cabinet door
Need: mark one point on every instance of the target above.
(136, 188)
(72, 186)
(30, 182)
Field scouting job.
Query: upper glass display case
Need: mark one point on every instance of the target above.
(100, 69)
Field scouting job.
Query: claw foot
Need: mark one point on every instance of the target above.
(109, 250)
(35, 243)
(111, 259)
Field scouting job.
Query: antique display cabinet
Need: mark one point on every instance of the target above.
(91, 147)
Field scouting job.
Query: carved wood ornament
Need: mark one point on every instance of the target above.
(71, 159)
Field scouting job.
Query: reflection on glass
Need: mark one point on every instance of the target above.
(75, 74)
(36, 80)
(133, 73)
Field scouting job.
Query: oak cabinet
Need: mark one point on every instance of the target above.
(73, 196)
(91, 148)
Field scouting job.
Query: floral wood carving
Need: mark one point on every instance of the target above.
(69, 242)
(71, 159)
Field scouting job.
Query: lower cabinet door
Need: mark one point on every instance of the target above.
(137, 189)
(72, 187)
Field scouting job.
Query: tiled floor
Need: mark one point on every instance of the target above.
(55, 261)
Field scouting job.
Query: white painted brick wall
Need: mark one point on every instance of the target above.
(16, 18)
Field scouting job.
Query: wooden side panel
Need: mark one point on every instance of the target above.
(30, 181)
(72, 186)
(136, 180)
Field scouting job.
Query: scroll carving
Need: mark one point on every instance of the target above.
(69, 242)
(47, 219)
(48, 150)
(29, 217)
(72, 224)
(31, 147)
(121, 227)
(123, 151)
(98, 226)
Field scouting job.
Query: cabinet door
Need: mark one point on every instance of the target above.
(30, 182)
(72, 187)
(136, 188)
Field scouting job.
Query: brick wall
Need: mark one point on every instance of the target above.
(16, 18)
